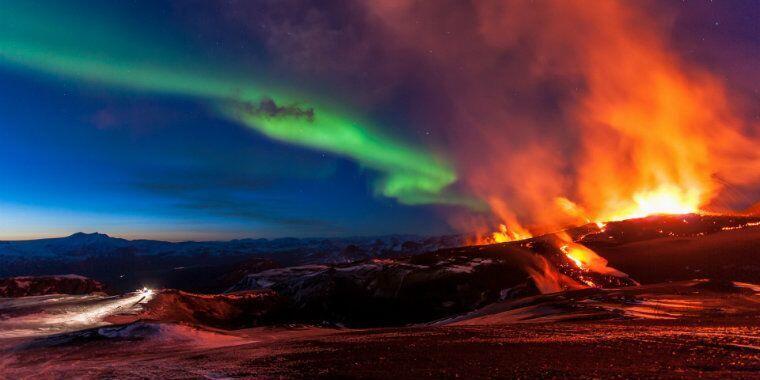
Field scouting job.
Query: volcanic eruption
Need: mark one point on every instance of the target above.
(649, 133)
(578, 115)
(389, 188)
(645, 132)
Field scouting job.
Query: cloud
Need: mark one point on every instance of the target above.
(229, 195)
(268, 108)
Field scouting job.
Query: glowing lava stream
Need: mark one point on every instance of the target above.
(587, 260)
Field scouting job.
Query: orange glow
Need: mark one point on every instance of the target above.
(574, 255)
(571, 209)
(663, 201)
(634, 128)
(505, 234)
(509, 228)
(584, 258)
(655, 133)
(548, 279)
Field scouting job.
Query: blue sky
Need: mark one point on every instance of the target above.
(117, 155)
(76, 156)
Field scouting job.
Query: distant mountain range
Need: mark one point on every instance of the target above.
(125, 264)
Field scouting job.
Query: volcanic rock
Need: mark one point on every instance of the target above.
(229, 311)
(43, 285)
(416, 288)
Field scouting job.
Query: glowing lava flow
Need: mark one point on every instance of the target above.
(585, 259)
(547, 279)
(573, 255)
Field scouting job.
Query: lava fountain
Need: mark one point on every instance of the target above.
(652, 132)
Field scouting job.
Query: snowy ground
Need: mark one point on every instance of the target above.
(728, 348)
(55, 314)
(676, 330)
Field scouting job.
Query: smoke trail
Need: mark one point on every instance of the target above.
(566, 106)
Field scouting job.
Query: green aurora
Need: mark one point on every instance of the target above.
(98, 49)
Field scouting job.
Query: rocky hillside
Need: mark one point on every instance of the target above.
(43, 285)
(125, 265)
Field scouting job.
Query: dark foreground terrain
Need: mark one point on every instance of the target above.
(683, 301)
(720, 348)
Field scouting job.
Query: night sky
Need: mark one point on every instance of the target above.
(228, 119)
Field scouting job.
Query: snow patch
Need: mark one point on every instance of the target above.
(171, 334)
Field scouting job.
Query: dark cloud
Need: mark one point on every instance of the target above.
(269, 108)
(229, 195)
(257, 211)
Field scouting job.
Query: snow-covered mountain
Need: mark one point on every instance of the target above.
(125, 264)
(333, 250)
